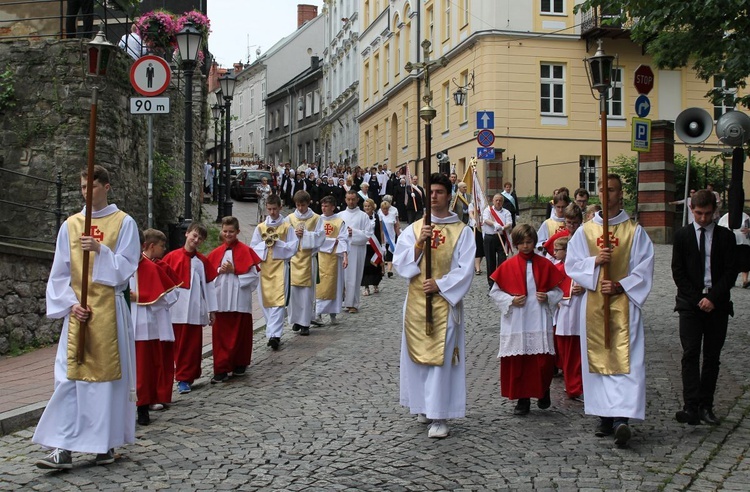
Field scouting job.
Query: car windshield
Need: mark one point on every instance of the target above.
(258, 175)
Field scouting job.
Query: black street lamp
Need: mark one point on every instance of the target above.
(188, 44)
(216, 113)
(227, 84)
(220, 157)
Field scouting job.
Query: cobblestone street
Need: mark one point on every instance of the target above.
(323, 414)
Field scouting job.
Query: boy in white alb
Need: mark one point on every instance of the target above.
(359, 229)
(333, 258)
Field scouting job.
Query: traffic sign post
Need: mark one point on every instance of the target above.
(644, 79)
(149, 105)
(485, 153)
(486, 138)
(150, 75)
(641, 137)
(485, 120)
(642, 106)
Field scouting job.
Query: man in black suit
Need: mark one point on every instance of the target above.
(415, 198)
(704, 269)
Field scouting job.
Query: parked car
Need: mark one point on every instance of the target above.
(247, 181)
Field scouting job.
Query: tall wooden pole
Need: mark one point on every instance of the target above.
(605, 209)
(87, 224)
(427, 221)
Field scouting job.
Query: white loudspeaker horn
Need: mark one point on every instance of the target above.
(733, 128)
(693, 125)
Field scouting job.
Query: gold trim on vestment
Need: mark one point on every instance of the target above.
(101, 361)
(430, 349)
(272, 272)
(328, 263)
(554, 226)
(616, 360)
(301, 263)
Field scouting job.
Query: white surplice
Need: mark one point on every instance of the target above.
(152, 321)
(302, 299)
(92, 417)
(438, 391)
(362, 231)
(283, 249)
(333, 306)
(543, 232)
(234, 293)
(619, 395)
(527, 329)
(194, 303)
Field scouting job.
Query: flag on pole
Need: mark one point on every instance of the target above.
(376, 258)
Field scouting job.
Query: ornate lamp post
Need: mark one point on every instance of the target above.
(220, 157)
(600, 70)
(216, 113)
(188, 44)
(98, 55)
(228, 83)
(427, 113)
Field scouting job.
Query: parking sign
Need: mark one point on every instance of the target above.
(641, 138)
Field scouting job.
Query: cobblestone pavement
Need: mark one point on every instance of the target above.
(322, 414)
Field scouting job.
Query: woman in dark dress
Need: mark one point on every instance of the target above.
(478, 239)
(373, 274)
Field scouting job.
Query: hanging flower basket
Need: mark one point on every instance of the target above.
(197, 20)
(157, 29)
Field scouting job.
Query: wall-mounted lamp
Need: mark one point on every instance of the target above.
(459, 97)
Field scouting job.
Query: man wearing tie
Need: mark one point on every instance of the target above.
(704, 269)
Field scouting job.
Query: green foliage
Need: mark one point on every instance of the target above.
(213, 240)
(711, 36)
(166, 180)
(7, 90)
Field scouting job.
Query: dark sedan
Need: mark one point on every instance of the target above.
(247, 181)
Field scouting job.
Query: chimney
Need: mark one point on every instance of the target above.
(306, 13)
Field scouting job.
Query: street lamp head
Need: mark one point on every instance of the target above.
(189, 43)
(99, 53)
(600, 70)
(219, 97)
(215, 111)
(228, 83)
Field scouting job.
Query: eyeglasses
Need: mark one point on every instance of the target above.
(560, 249)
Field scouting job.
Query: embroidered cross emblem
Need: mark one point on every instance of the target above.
(437, 239)
(560, 228)
(613, 241)
(96, 233)
(328, 228)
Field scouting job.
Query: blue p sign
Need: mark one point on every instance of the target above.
(641, 138)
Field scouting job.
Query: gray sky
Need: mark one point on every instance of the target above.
(259, 23)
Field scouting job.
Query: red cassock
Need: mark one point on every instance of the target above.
(568, 348)
(232, 332)
(528, 375)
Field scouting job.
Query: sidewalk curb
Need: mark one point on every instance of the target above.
(26, 416)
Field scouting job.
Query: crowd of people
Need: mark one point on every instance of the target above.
(569, 299)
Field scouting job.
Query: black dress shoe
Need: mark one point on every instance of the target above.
(605, 427)
(295, 327)
(274, 343)
(522, 407)
(544, 402)
(687, 417)
(143, 417)
(622, 435)
(707, 415)
(304, 331)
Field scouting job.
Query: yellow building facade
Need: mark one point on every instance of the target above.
(522, 60)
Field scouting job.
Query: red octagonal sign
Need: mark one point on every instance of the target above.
(644, 79)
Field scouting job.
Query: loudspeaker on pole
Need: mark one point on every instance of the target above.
(693, 125)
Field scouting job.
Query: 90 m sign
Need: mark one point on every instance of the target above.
(149, 105)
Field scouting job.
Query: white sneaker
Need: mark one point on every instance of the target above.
(422, 419)
(438, 429)
(156, 407)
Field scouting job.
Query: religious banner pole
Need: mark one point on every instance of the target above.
(427, 113)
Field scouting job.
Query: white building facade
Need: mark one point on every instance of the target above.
(249, 114)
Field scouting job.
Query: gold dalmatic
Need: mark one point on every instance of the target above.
(554, 226)
(328, 263)
(272, 271)
(616, 360)
(430, 349)
(301, 264)
(101, 360)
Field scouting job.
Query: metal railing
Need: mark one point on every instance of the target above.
(108, 12)
(57, 212)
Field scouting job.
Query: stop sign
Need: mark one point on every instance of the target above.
(644, 79)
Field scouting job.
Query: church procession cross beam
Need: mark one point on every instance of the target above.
(427, 113)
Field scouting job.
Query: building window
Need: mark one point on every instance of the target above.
(614, 105)
(239, 108)
(447, 21)
(251, 143)
(377, 144)
(387, 66)
(366, 81)
(397, 65)
(553, 6)
(262, 142)
(465, 107)
(463, 13)
(276, 119)
(431, 25)
(376, 79)
(366, 20)
(316, 101)
(287, 114)
(447, 106)
(367, 147)
(239, 144)
(252, 101)
(553, 89)
(727, 102)
(308, 104)
(406, 125)
(587, 173)
(263, 94)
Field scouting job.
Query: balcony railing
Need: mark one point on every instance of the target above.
(602, 22)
